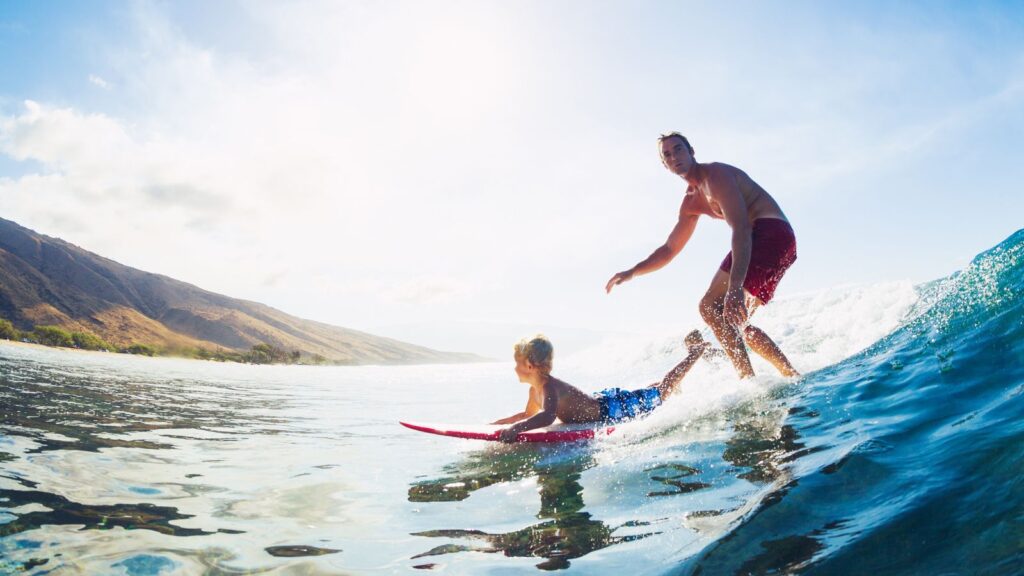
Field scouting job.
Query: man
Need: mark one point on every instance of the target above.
(763, 248)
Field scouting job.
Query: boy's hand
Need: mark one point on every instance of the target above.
(508, 435)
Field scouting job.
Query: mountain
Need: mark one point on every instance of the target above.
(47, 281)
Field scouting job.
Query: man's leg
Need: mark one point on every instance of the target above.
(764, 346)
(711, 307)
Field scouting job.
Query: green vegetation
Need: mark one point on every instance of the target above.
(266, 354)
(143, 349)
(262, 353)
(8, 331)
(52, 336)
(90, 341)
(218, 355)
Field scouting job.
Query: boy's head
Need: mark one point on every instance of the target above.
(535, 351)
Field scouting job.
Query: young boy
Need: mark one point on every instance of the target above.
(551, 398)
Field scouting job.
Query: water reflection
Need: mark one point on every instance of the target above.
(99, 410)
(671, 475)
(760, 444)
(87, 412)
(566, 532)
(760, 447)
(91, 516)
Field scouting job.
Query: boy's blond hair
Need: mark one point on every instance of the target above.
(536, 350)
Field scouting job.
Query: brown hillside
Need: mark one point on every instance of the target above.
(46, 280)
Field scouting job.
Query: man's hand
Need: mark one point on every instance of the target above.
(735, 309)
(508, 435)
(618, 279)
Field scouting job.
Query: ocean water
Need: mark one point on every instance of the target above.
(900, 451)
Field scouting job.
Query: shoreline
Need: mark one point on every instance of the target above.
(19, 343)
(110, 353)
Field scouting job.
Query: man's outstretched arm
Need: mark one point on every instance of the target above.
(678, 238)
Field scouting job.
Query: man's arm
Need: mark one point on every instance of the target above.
(678, 238)
(725, 191)
(543, 418)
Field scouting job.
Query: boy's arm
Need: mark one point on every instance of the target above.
(547, 415)
(532, 407)
(511, 419)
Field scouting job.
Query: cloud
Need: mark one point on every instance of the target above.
(97, 81)
(98, 159)
(429, 290)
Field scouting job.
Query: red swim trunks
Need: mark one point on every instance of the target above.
(772, 252)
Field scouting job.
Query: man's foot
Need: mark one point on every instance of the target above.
(695, 343)
(694, 339)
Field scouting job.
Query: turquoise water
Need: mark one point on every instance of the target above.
(900, 452)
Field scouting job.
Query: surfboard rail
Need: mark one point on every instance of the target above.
(490, 432)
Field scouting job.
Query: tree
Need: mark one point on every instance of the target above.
(143, 349)
(8, 331)
(89, 341)
(53, 336)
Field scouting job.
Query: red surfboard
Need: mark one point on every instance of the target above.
(554, 433)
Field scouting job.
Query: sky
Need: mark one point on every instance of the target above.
(460, 174)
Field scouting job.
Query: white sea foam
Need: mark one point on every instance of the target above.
(814, 329)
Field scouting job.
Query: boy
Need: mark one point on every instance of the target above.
(551, 398)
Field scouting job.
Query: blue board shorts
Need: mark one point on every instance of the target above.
(618, 404)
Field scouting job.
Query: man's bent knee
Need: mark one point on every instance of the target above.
(710, 310)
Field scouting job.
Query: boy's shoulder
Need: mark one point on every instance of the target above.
(560, 385)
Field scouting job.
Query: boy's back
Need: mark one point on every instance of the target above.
(574, 405)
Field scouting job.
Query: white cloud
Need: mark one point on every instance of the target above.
(97, 81)
(99, 160)
(429, 290)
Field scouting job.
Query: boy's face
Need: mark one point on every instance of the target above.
(524, 369)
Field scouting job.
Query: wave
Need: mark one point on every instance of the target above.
(907, 457)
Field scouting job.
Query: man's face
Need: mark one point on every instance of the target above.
(676, 156)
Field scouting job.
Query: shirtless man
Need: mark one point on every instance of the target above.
(763, 248)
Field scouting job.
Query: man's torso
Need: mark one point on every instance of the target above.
(699, 200)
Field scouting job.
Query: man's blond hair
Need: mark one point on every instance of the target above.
(536, 350)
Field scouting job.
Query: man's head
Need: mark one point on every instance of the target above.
(676, 153)
(534, 355)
